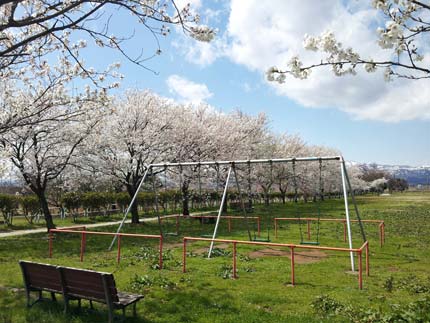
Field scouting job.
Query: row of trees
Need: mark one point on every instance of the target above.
(106, 146)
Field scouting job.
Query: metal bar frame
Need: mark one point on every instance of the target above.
(348, 222)
(345, 181)
(129, 207)
(363, 234)
(248, 161)
(380, 224)
(224, 194)
(102, 233)
(359, 251)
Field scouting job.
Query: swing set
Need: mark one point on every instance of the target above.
(233, 178)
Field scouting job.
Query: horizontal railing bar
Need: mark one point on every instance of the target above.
(224, 216)
(330, 220)
(109, 233)
(273, 244)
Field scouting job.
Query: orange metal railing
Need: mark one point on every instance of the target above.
(381, 226)
(84, 235)
(229, 219)
(292, 247)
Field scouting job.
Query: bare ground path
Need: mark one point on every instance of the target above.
(92, 225)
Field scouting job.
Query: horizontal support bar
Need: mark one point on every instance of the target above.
(244, 162)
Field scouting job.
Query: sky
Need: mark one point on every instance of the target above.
(363, 116)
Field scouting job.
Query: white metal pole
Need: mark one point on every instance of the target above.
(224, 194)
(348, 223)
(129, 206)
(363, 234)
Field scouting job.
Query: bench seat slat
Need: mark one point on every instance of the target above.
(127, 298)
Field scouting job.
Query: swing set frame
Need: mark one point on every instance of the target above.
(346, 188)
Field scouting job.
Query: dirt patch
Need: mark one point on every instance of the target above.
(173, 245)
(300, 257)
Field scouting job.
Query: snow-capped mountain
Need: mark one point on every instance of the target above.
(415, 175)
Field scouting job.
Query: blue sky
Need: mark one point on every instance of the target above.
(362, 116)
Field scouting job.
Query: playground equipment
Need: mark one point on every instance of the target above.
(232, 173)
(380, 223)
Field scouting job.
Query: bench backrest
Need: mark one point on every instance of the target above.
(41, 276)
(89, 284)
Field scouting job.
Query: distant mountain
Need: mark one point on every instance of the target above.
(419, 175)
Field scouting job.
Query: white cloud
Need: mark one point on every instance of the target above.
(261, 34)
(186, 90)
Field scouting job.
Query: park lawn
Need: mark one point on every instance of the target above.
(20, 223)
(400, 270)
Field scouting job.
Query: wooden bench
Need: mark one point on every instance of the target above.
(78, 284)
(39, 278)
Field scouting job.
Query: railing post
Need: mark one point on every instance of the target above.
(83, 241)
(367, 259)
(50, 242)
(229, 225)
(118, 256)
(184, 256)
(309, 229)
(292, 266)
(234, 260)
(360, 270)
(160, 261)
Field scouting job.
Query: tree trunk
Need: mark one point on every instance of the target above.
(185, 199)
(134, 208)
(45, 209)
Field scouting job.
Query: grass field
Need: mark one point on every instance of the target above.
(398, 289)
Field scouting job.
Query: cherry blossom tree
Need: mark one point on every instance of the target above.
(202, 133)
(136, 134)
(286, 146)
(405, 32)
(30, 30)
(42, 149)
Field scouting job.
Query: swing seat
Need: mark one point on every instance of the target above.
(171, 234)
(206, 236)
(311, 243)
(261, 240)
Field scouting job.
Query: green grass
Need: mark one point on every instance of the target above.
(400, 271)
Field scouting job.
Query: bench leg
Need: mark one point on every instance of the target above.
(134, 309)
(66, 305)
(28, 298)
(53, 297)
(91, 304)
(111, 317)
